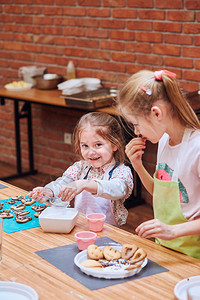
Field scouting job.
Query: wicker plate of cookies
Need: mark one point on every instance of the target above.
(111, 262)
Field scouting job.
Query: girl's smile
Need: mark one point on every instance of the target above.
(95, 149)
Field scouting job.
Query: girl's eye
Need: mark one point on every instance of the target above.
(99, 145)
(84, 146)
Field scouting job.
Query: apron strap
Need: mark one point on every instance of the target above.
(110, 172)
(184, 144)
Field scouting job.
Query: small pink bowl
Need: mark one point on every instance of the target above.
(96, 222)
(84, 239)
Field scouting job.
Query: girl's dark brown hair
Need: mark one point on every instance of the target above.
(107, 127)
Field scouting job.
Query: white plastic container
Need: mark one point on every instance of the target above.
(58, 219)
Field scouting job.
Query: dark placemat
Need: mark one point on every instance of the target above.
(11, 225)
(2, 186)
(63, 258)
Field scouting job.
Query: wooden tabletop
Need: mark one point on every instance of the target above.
(48, 97)
(21, 264)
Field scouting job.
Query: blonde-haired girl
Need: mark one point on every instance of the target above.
(154, 104)
(99, 182)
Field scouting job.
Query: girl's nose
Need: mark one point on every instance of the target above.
(91, 150)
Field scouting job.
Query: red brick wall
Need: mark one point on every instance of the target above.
(108, 39)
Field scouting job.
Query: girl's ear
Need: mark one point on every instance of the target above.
(156, 112)
(114, 148)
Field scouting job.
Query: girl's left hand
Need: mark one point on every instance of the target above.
(155, 229)
(72, 189)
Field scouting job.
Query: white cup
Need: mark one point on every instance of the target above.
(1, 233)
(194, 293)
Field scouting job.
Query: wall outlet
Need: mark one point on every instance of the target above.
(67, 138)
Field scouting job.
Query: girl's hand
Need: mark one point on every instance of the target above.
(41, 194)
(134, 151)
(71, 190)
(155, 229)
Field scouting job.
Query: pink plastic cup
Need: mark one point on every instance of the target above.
(84, 239)
(96, 222)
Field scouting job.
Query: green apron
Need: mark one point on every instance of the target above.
(167, 207)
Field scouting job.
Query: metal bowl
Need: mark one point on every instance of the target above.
(42, 83)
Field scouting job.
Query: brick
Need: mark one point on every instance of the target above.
(45, 59)
(197, 64)
(107, 76)
(5, 18)
(74, 11)
(121, 35)
(24, 56)
(89, 64)
(73, 31)
(194, 4)
(49, 10)
(42, 39)
(166, 49)
(111, 3)
(138, 25)
(190, 52)
(42, 20)
(64, 21)
(111, 66)
(89, 2)
(138, 47)
(196, 40)
(124, 13)
(31, 29)
(189, 86)
(98, 33)
(87, 43)
(148, 37)
(151, 14)
(112, 45)
(98, 54)
(178, 39)
(134, 68)
(140, 3)
(32, 48)
(31, 9)
(13, 46)
(6, 36)
(52, 50)
(75, 52)
(185, 16)
(3, 63)
(12, 28)
(191, 28)
(87, 22)
(167, 27)
(198, 16)
(67, 41)
(63, 2)
(191, 75)
(178, 62)
(50, 30)
(125, 57)
(23, 37)
(118, 24)
(149, 59)
(43, 2)
(98, 12)
(12, 9)
(169, 4)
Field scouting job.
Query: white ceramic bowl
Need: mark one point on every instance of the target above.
(58, 220)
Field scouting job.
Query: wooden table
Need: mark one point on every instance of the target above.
(21, 264)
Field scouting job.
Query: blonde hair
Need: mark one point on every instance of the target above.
(107, 127)
(133, 98)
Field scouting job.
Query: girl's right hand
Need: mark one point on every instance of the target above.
(41, 194)
(134, 151)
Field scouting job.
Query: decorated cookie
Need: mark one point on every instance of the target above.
(5, 215)
(28, 201)
(18, 207)
(11, 201)
(22, 212)
(22, 219)
(38, 207)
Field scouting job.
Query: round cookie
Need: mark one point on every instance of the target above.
(110, 253)
(128, 251)
(94, 252)
(22, 219)
(18, 207)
